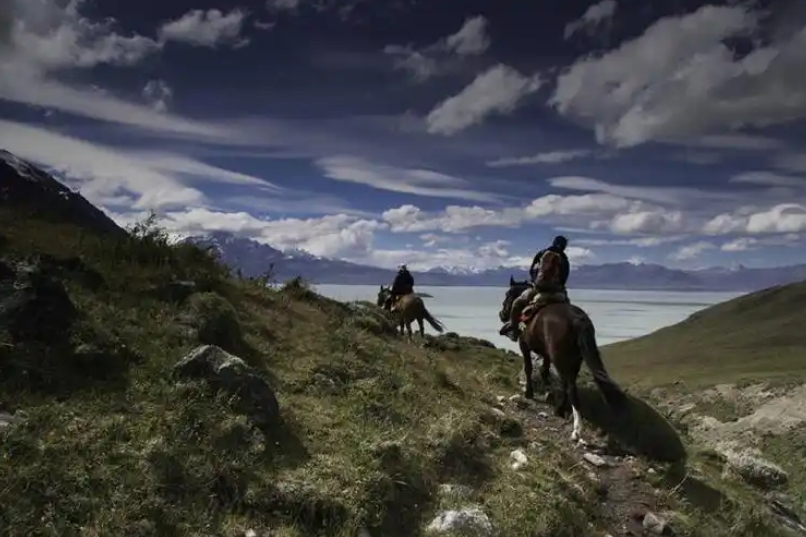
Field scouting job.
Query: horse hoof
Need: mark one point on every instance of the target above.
(529, 395)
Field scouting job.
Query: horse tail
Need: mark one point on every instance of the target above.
(586, 341)
(435, 324)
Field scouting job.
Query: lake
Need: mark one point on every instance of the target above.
(618, 315)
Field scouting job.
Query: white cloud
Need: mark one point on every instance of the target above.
(110, 177)
(47, 35)
(47, 38)
(739, 245)
(691, 251)
(210, 28)
(679, 79)
(282, 5)
(495, 91)
(782, 218)
(336, 235)
(551, 157)
(420, 182)
(158, 94)
(471, 38)
(439, 57)
(593, 17)
(455, 219)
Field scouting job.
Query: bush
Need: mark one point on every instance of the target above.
(215, 320)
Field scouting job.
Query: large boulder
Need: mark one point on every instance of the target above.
(229, 373)
(34, 306)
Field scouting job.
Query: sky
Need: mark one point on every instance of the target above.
(459, 133)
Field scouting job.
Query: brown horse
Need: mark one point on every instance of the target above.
(562, 334)
(409, 308)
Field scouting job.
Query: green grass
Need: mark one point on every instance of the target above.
(759, 336)
(371, 424)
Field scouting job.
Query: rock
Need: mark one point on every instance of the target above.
(519, 459)
(786, 515)
(7, 420)
(519, 401)
(470, 522)
(543, 415)
(455, 492)
(755, 470)
(655, 524)
(595, 460)
(35, 307)
(229, 373)
(497, 412)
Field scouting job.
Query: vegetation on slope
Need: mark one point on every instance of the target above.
(371, 429)
(759, 336)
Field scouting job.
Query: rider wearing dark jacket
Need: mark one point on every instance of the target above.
(558, 245)
(403, 284)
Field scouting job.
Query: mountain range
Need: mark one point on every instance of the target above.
(254, 258)
(27, 187)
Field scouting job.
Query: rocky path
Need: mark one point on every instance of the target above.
(629, 503)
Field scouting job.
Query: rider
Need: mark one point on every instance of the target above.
(402, 285)
(558, 246)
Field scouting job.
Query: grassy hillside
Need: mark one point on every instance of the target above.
(372, 435)
(759, 336)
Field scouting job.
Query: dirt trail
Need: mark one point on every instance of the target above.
(620, 480)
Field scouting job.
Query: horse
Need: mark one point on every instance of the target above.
(409, 308)
(562, 334)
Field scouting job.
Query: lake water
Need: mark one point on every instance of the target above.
(617, 314)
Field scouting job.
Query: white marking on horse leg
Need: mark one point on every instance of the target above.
(576, 434)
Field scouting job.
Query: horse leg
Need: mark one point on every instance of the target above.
(421, 325)
(573, 395)
(408, 328)
(529, 391)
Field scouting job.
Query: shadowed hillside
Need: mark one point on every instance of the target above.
(759, 336)
(146, 391)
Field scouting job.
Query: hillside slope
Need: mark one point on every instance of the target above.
(145, 391)
(759, 336)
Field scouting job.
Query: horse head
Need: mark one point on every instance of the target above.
(382, 294)
(514, 291)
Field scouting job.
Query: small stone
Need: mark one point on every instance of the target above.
(595, 460)
(542, 415)
(498, 412)
(519, 459)
(651, 471)
(250, 533)
(655, 524)
(468, 521)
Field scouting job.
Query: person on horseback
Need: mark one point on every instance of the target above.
(550, 286)
(403, 284)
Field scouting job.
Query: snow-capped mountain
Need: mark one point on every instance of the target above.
(253, 259)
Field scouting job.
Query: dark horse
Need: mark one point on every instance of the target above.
(563, 334)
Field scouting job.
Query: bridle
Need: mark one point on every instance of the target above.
(513, 292)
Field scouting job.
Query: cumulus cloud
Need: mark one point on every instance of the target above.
(498, 90)
(158, 94)
(211, 28)
(781, 218)
(550, 157)
(45, 38)
(595, 16)
(680, 78)
(439, 57)
(336, 235)
(420, 182)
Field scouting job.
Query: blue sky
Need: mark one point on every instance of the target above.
(441, 132)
